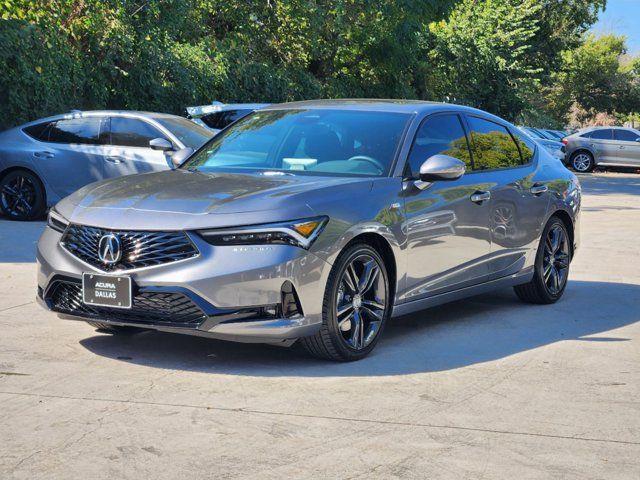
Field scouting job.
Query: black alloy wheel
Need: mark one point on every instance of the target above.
(22, 196)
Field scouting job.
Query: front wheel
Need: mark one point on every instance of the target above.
(552, 266)
(355, 308)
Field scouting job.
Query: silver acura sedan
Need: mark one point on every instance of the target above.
(48, 159)
(317, 222)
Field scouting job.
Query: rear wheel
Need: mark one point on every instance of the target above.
(582, 162)
(356, 306)
(552, 266)
(22, 195)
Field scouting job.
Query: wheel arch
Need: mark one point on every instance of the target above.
(568, 223)
(380, 244)
(583, 149)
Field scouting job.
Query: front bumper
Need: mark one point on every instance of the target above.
(231, 293)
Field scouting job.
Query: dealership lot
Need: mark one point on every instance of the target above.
(487, 386)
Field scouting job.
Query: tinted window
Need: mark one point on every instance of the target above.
(338, 142)
(131, 132)
(76, 130)
(39, 131)
(526, 144)
(188, 132)
(440, 134)
(492, 145)
(606, 134)
(626, 135)
(220, 120)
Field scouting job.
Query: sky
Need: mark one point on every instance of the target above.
(622, 17)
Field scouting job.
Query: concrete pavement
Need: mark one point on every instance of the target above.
(487, 387)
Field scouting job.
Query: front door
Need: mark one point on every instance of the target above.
(129, 152)
(448, 240)
(628, 147)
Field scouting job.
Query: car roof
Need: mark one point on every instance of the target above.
(378, 105)
(95, 113)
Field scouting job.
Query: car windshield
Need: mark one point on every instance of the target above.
(189, 133)
(320, 142)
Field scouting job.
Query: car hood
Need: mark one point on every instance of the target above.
(181, 199)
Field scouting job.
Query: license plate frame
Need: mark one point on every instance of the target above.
(113, 291)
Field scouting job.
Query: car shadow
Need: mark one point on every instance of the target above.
(469, 332)
(610, 184)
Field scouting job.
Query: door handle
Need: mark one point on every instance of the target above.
(480, 197)
(114, 159)
(539, 189)
(44, 154)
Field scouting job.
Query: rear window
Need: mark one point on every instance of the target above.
(492, 145)
(76, 130)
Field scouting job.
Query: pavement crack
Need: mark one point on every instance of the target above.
(251, 411)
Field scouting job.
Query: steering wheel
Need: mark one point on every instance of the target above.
(365, 158)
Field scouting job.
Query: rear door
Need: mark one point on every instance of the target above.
(447, 233)
(129, 152)
(518, 200)
(71, 153)
(628, 147)
(603, 145)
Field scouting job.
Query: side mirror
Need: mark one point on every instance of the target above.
(441, 167)
(161, 144)
(181, 156)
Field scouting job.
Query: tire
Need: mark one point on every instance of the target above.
(22, 196)
(549, 259)
(582, 161)
(370, 307)
(105, 327)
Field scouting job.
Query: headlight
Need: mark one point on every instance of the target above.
(56, 221)
(301, 233)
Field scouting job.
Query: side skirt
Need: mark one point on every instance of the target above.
(416, 305)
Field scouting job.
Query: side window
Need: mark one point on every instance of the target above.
(604, 134)
(492, 145)
(39, 131)
(625, 135)
(526, 145)
(439, 134)
(131, 132)
(76, 130)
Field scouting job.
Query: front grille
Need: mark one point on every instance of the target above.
(160, 308)
(139, 249)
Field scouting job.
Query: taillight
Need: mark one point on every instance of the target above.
(565, 141)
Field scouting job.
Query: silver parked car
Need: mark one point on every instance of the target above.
(317, 222)
(603, 147)
(48, 159)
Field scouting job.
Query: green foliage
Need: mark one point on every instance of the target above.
(500, 55)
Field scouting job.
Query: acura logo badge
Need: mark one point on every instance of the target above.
(109, 249)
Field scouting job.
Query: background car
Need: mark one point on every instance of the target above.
(554, 146)
(604, 147)
(219, 115)
(48, 159)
